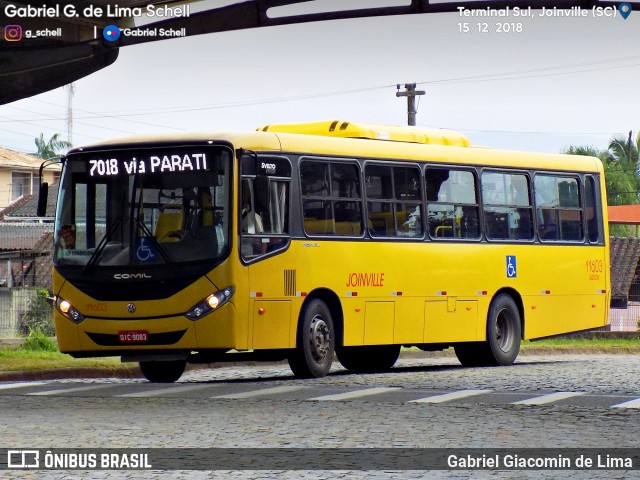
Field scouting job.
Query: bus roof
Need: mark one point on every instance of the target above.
(342, 129)
(296, 140)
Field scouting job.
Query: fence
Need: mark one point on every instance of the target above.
(14, 304)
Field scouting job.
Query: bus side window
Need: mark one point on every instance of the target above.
(558, 208)
(591, 209)
(331, 198)
(394, 201)
(508, 213)
(452, 204)
(264, 215)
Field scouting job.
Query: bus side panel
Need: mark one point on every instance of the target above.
(409, 321)
(573, 296)
(378, 323)
(271, 323)
(552, 315)
(450, 319)
(272, 317)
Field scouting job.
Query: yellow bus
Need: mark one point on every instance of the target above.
(303, 241)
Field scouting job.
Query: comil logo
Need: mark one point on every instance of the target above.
(13, 33)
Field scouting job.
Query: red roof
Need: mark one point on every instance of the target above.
(625, 214)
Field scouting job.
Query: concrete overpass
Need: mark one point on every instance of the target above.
(35, 65)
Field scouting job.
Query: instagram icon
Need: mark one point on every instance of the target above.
(13, 33)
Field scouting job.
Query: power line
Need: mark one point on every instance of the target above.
(75, 121)
(116, 117)
(511, 75)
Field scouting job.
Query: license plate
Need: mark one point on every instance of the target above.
(134, 336)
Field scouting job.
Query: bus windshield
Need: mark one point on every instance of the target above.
(144, 207)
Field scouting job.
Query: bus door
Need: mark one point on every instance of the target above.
(264, 198)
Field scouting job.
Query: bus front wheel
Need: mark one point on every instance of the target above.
(369, 359)
(315, 343)
(504, 331)
(163, 372)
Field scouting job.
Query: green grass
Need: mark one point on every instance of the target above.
(22, 359)
(581, 342)
(578, 345)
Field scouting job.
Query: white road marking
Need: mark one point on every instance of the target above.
(262, 392)
(630, 404)
(357, 394)
(550, 398)
(163, 391)
(8, 386)
(447, 397)
(71, 390)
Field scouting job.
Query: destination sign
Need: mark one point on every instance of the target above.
(176, 162)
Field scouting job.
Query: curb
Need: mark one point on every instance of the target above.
(66, 373)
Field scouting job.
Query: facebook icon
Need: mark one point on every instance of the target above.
(512, 271)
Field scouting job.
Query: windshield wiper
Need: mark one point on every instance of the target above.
(93, 259)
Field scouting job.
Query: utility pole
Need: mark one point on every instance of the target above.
(410, 92)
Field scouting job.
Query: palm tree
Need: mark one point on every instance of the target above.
(49, 149)
(621, 171)
(582, 150)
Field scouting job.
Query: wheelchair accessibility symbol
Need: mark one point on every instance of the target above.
(145, 251)
(512, 271)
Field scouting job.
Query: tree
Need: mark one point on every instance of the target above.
(49, 149)
(621, 171)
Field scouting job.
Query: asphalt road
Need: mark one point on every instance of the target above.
(554, 401)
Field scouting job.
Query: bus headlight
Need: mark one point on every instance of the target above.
(209, 304)
(68, 310)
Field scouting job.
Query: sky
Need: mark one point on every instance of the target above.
(557, 82)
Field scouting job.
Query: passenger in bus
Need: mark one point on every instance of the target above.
(251, 225)
(251, 222)
(251, 219)
(548, 231)
(67, 236)
(412, 227)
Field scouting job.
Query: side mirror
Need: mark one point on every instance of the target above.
(43, 196)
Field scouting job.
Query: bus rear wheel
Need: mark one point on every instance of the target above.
(163, 372)
(315, 345)
(369, 359)
(504, 331)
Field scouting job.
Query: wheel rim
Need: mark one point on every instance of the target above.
(320, 338)
(505, 332)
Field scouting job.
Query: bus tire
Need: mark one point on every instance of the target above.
(504, 331)
(163, 372)
(470, 354)
(369, 359)
(315, 345)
